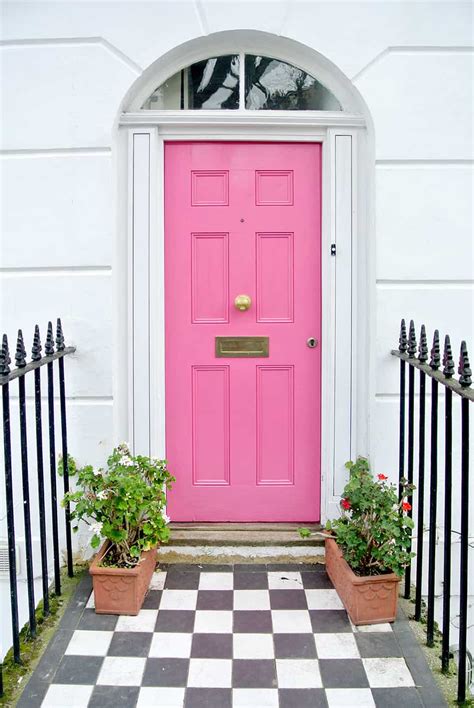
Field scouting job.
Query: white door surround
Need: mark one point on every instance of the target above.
(347, 184)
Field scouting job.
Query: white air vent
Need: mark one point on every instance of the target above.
(4, 562)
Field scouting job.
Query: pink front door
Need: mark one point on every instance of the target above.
(243, 434)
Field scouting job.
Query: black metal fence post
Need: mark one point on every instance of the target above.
(411, 434)
(402, 347)
(49, 351)
(465, 380)
(36, 356)
(448, 370)
(62, 401)
(7, 447)
(434, 364)
(423, 358)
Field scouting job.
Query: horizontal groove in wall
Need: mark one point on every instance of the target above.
(386, 284)
(21, 272)
(72, 400)
(26, 43)
(56, 152)
(417, 164)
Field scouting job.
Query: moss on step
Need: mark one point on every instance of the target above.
(15, 676)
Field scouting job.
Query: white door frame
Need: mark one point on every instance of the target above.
(140, 263)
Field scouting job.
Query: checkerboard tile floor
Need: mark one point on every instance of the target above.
(238, 636)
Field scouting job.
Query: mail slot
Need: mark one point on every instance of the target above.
(242, 347)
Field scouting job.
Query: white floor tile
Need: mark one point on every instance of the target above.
(383, 627)
(323, 600)
(387, 673)
(255, 698)
(91, 602)
(210, 673)
(353, 697)
(253, 646)
(121, 671)
(284, 581)
(298, 673)
(291, 621)
(143, 622)
(208, 621)
(216, 581)
(171, 644)
(158, 580)
(178, 600)
(84, 643)
(336, 646)
(70, 695)
(251, 600)
(165, 697)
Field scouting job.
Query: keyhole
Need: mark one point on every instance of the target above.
(312, 342)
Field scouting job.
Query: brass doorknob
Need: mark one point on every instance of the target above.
(242, 302)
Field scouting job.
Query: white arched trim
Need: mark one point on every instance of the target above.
(347, 278)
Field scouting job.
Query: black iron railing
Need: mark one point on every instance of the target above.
(406, 352)
(7, 378)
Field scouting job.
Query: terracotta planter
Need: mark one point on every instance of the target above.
(121, 591)
(370, 599)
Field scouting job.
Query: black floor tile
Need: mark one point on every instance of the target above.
(208, 698)
(152, 600)
(396, 698)
(215, 600)
(33, 694)
(343, 673)
(175, 621)
(316, 580)
(78, 669)
(178, 579)
(253, 673)
(90, 620)
(288, 600)
(212, 646)
(166, 672)
(374, 645)
(302, 698)
(250, 581)
(330, 621)
(111, 696)
(254, 621)
(130, 644)
(294, 646)
(250, 568)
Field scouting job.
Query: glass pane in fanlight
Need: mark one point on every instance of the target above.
(209, 84)
(272, 84)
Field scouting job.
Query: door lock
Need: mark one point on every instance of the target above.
(312, 342)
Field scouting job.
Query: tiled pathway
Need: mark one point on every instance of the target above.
(240, 636)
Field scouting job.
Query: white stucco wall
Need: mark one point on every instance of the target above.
(65, 68)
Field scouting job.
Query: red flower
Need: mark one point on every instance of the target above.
(345, 503)
(406, 506)
(382, 477)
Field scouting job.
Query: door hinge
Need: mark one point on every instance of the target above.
(333, 249)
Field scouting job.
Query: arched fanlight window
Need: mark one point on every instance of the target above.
(268, 84)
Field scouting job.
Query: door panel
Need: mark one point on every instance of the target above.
(243, 434)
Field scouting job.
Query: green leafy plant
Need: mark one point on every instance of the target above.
(374, 530)
(124, 504)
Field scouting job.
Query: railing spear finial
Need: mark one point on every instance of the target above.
(435, 360)
(36, 348)
(412, 341)
(423, 351)
(402, 341)
(59, 336)
(448, 361)
(464, 369)
(49, 346)
(20, 354)
(5, 360)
